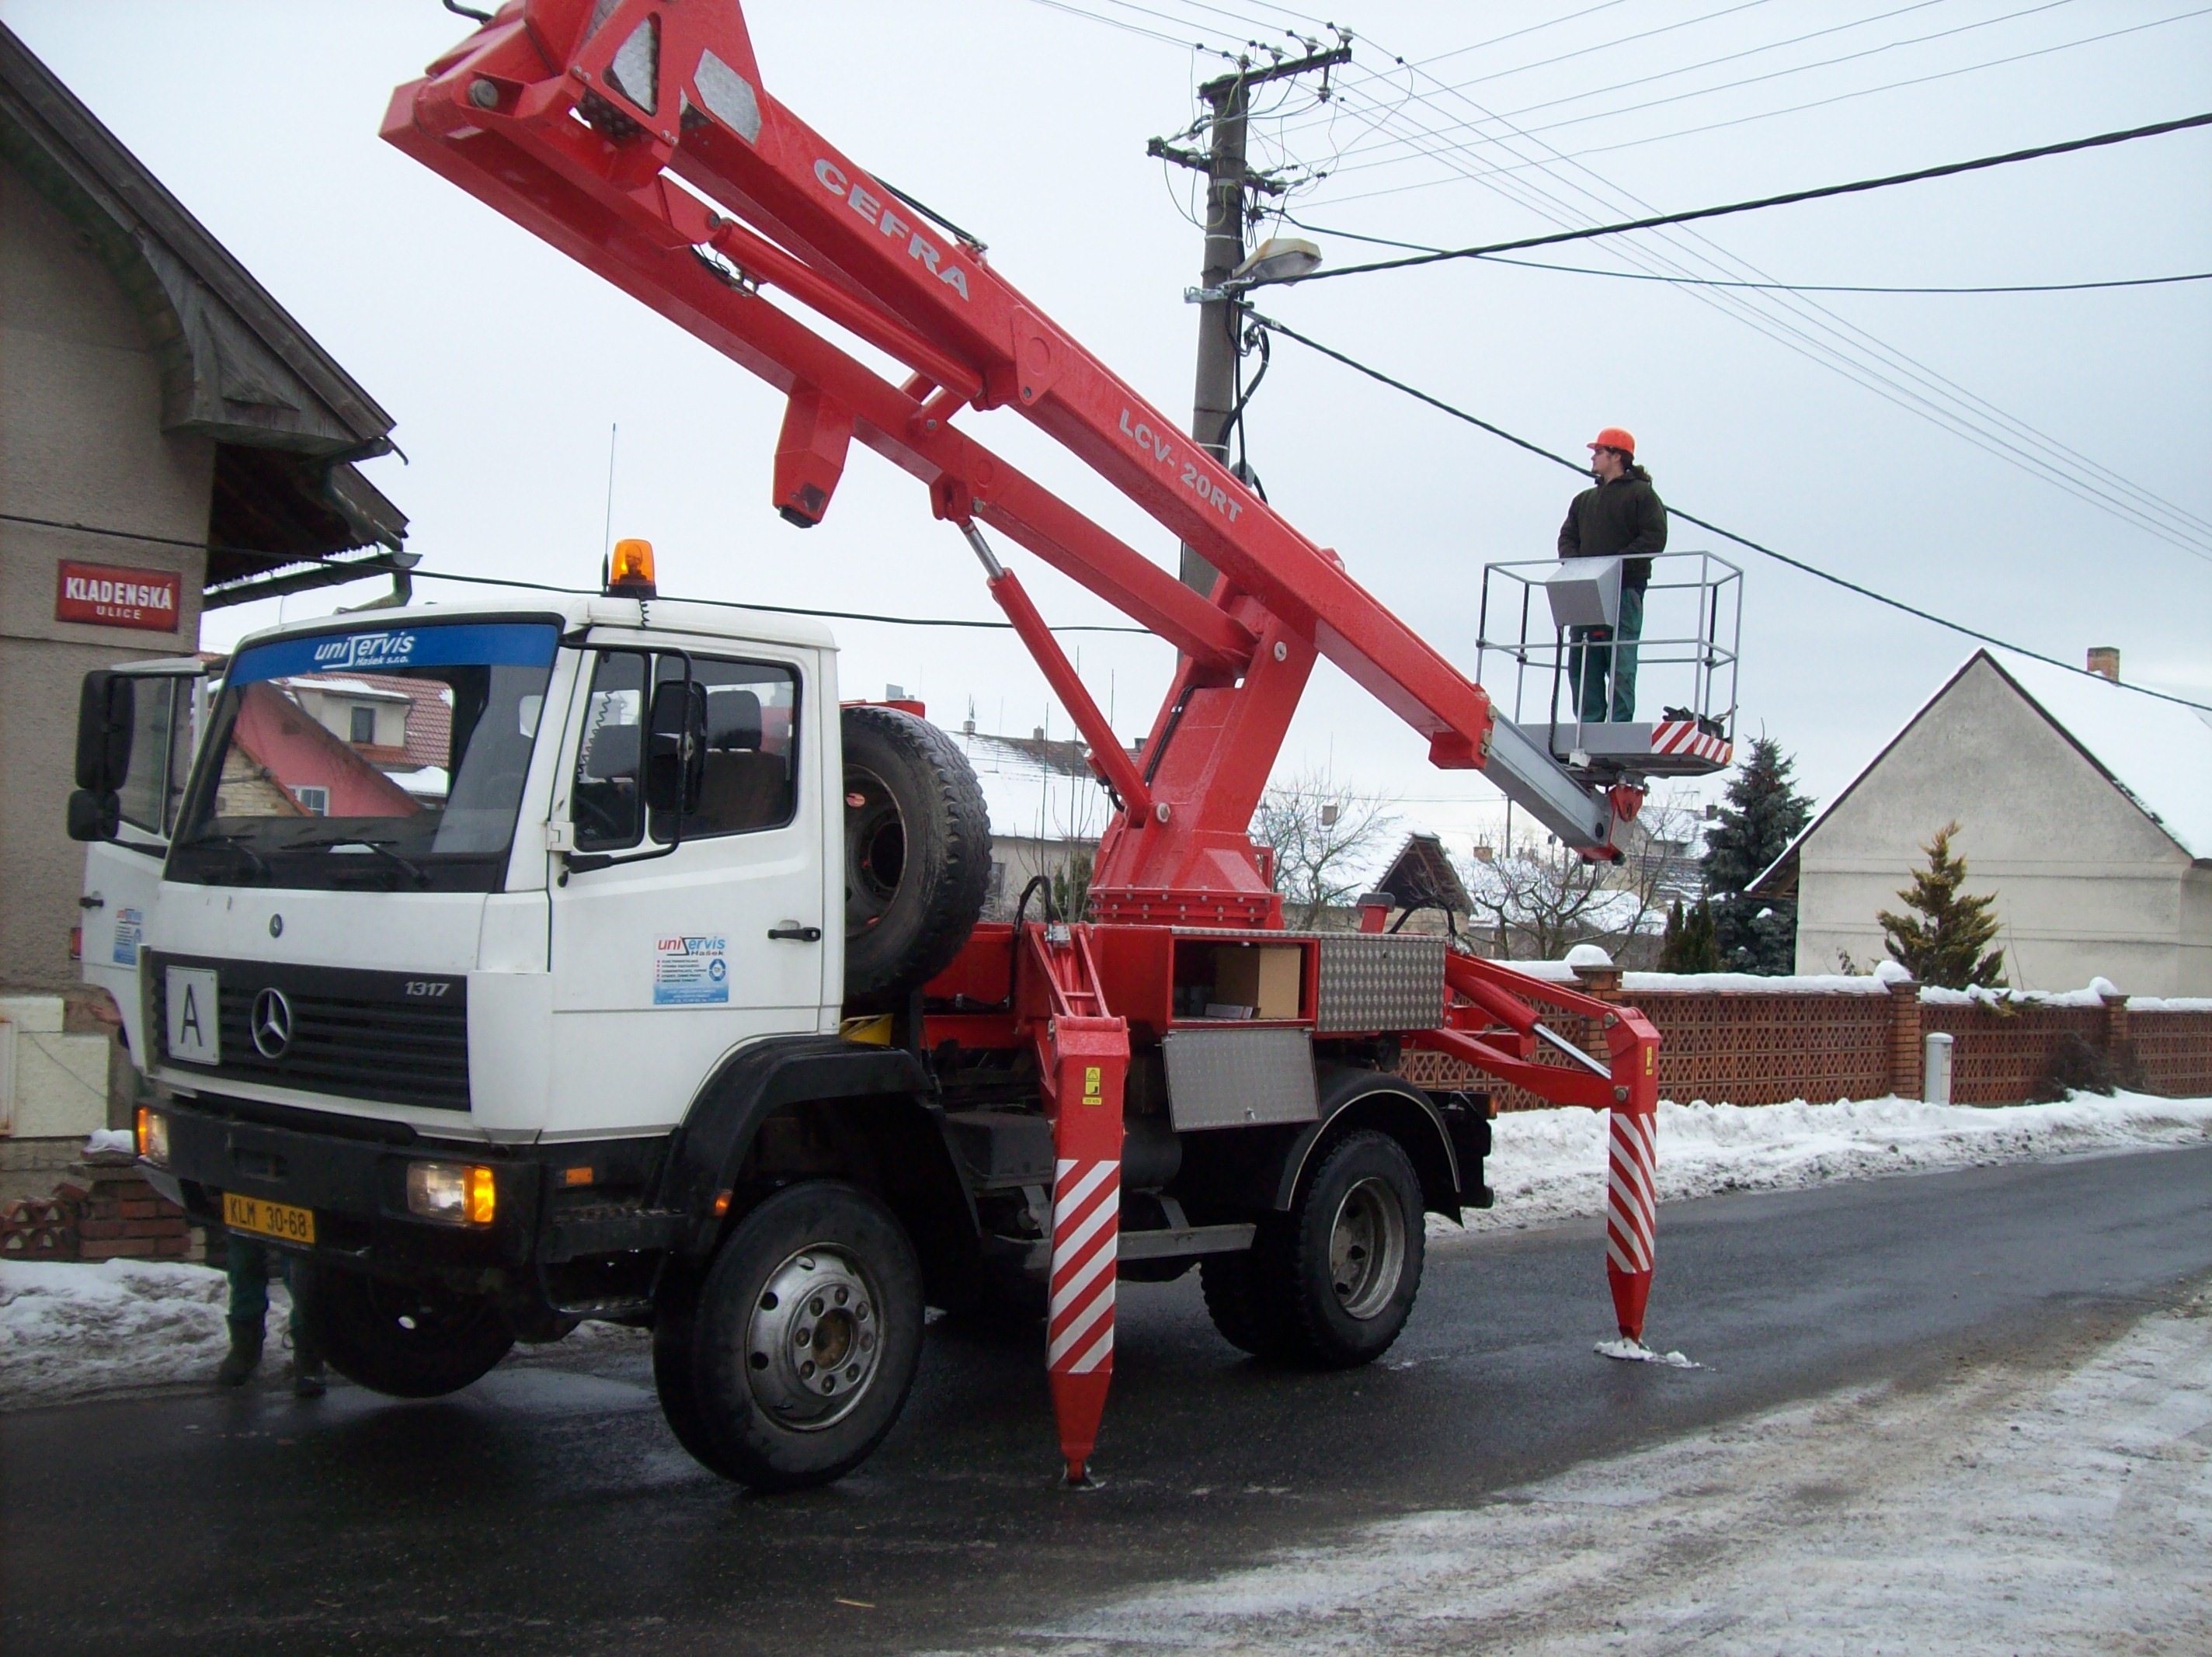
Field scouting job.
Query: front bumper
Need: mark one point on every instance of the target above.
(356, 1187)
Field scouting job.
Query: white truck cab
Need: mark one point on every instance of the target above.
(417, 879)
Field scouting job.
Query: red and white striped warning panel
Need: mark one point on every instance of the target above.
(1631, 1208)
(1683, 737)
(1086, 1220)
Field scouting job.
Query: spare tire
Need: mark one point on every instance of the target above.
(917, 850)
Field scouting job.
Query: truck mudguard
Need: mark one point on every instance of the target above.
(752, 1085)
(1395, 1107)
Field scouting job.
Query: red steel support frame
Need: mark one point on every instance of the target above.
(636, 136)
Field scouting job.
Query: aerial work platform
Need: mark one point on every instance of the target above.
(1683, 666)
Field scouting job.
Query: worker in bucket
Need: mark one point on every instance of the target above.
(1621, 518)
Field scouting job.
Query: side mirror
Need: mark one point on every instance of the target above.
(676, 747)
(95, 816)
(106, 711)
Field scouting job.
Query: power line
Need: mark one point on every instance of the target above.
(1457, 87)
(1766, 287)
(1763, 115)
(1890, 373)
(1759, 80)
(1950, 169)
(421, 574)
(784, 609)
(1799, 564)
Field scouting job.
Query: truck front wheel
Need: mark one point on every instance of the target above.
(404, 1340)
(805, 1340)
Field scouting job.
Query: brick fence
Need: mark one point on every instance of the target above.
(105, 1210)
(1834, 1038)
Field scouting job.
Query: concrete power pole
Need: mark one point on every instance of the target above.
(1228, 183)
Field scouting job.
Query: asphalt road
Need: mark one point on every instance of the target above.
(547, 1509)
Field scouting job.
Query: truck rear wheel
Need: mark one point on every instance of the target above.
(917, 850)
(403, 1340)
(1332, 1282)
(805, 1339)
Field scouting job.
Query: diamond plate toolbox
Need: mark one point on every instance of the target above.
(1379, 981)
(1232, 1078)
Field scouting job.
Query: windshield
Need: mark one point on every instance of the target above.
(390, 758)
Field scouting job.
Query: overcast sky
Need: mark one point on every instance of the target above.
(505, 366)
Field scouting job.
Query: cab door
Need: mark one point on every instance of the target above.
(679, 934)
(138, 728)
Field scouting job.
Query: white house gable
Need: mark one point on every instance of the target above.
(2087, 882)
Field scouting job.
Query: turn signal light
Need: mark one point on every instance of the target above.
(153, 1135)
(453, 1193)
(482, 1197)
(629, 571)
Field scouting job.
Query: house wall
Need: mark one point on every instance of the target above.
(2086, 884)
(80, 442)
(1018, 860)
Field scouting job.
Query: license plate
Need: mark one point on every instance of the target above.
(279, 1220)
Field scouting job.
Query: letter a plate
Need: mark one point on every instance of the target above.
(194, 1032)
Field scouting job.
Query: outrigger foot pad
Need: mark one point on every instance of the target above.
(1080, 1477)
(1629, 1351)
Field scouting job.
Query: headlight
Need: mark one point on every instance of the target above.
(454, 1193)
(153, 1135)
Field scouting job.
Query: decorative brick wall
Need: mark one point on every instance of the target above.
(2175, 1050)
(1997, 1058)
(105, 1211)
(1762, 1048)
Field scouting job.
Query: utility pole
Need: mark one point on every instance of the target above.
(1228, 183)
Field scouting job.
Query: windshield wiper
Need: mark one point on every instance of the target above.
(414, 872)
(259, 864)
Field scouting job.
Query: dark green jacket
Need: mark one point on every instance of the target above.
(1622, 519)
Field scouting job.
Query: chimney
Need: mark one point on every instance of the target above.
(2105, 659)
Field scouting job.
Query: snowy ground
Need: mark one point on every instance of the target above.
(1547, 1166)
(2058, 1507)
(70, 1332)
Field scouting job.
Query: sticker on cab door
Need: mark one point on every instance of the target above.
(130, 926)
(690, 971)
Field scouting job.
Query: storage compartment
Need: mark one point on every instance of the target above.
(1236, 981)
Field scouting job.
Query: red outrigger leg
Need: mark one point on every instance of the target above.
(1082, 1057)
(1492, 1023)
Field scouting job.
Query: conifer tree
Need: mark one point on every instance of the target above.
(1945, 942)
(1764, 812)
(1687, 945)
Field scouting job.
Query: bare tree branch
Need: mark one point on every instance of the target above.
(1324, 835)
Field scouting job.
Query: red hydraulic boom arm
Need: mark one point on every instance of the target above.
(638, 136)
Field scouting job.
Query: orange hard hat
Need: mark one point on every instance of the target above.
(1613, 438)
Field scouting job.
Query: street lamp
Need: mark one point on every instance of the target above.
(1278, 258)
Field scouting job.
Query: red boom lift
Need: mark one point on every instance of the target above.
(638, 136)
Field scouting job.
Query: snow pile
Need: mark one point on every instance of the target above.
(69, 1331)
(1549, 1165)
(111, 1139)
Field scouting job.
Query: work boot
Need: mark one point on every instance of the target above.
(245, 1355)
(307, 1368)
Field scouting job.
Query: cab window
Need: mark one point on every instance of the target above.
(751, 772)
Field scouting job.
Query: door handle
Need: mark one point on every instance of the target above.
(796, 934)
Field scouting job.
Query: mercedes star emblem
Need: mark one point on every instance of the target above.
(272, 1023)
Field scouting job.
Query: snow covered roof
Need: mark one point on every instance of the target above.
(1037, 788)
(2157, 753)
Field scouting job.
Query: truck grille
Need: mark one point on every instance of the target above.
(356, 1035)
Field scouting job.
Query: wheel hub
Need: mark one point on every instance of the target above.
(814, 1341)
(1367, 1249)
